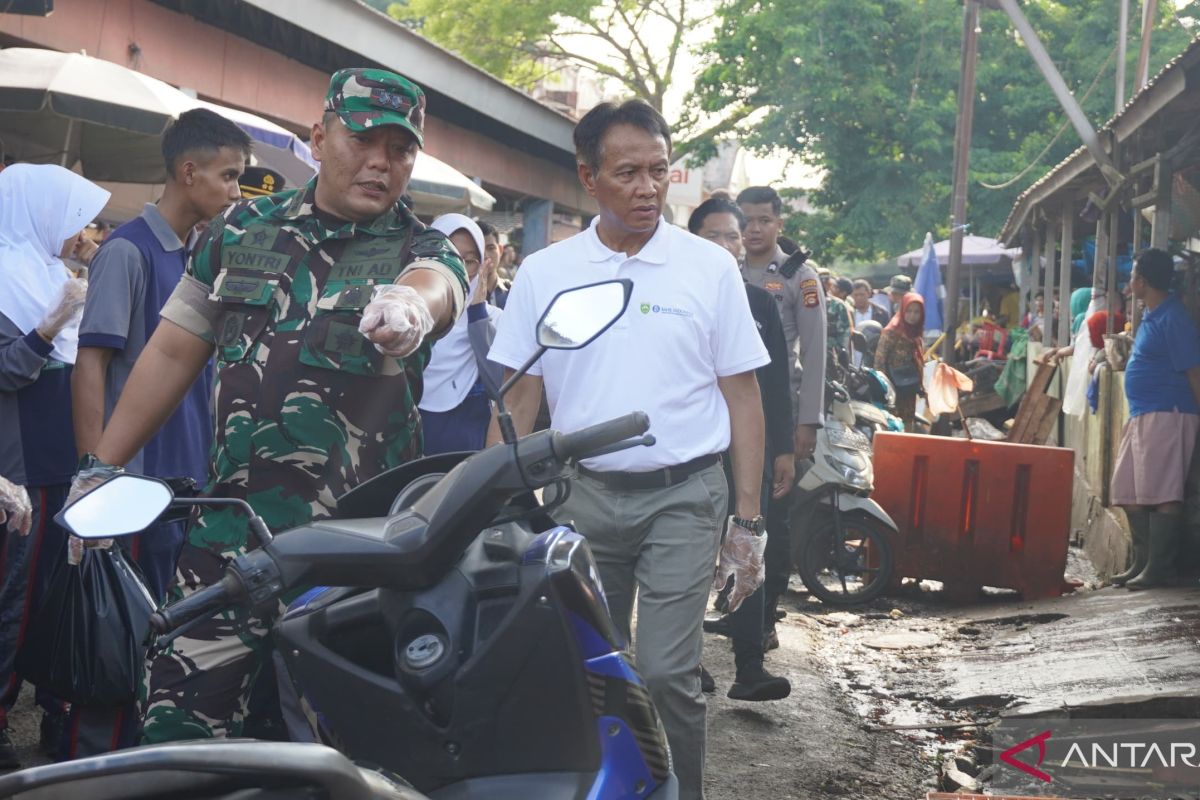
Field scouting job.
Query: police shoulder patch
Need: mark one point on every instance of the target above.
(811, 298)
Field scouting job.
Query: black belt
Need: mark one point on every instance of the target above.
(657, 479)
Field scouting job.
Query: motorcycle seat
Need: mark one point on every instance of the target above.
(369, 527)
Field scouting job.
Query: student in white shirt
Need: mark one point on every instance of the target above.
(455, 408)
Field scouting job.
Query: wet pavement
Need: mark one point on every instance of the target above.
(1108, 648)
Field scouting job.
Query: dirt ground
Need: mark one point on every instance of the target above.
(812, 745)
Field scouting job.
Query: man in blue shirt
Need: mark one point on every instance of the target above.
(1162, 386)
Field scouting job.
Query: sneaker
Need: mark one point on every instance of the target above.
(707, 684)
(53, 734)
(755, 684)
(8, 752)
(770, 641)
(718, 625)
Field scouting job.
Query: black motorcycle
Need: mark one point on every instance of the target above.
(458, 636)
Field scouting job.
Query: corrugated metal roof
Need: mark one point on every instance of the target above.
(1008, 229)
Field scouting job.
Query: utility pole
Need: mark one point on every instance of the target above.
(1149, 14)
(962, 161)
(1122, 40)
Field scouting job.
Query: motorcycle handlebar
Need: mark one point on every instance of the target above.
(582, 443)
(200, 604)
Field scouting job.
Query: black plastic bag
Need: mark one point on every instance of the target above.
(87, 642)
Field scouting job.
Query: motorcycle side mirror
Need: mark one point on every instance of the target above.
(574, 318)
(124, 504)
(859, 341)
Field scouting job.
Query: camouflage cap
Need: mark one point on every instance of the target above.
(900, 283)
(368, 98)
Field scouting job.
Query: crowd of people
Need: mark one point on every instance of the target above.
(227, 335)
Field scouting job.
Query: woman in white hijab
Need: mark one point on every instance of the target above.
(43, 211)
(455, 409)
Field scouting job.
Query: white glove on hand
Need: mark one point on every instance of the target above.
(396, 320)
(85, 480)
(742, 558)
(70, 304)
(16, 513)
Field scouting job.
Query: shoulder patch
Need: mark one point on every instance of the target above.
(811, 298)
(793, 263)
(809, 283)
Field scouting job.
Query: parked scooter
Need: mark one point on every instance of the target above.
(872, 396)
(469, 648)
(840, 536)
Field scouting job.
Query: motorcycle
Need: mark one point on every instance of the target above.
(459, 636)
(841, 538)
(872, 396)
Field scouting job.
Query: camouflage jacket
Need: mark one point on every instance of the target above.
(305, 407)
(840, 323)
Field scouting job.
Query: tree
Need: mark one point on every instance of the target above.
(865, 90)
(633, 42)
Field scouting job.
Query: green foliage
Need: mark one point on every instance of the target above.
(866, 91)
(634, 42)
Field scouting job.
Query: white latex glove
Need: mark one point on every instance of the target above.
(69, 305)
(85, 480)
(396, 320)
(742, 558)
(16, 513)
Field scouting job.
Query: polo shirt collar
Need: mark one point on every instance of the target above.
(1155, 313)
(161, 230)
(654, 251)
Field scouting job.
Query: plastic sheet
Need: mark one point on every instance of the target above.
(944, 388)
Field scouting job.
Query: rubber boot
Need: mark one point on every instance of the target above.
(754, 683)
(1139, 530)
(1164, 548)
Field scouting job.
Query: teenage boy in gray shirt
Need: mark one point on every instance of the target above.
(130, 279)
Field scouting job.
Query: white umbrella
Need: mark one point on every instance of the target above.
(976, 250)
(65, 107)
(436, 188)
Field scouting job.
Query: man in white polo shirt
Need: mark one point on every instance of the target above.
(685, 352)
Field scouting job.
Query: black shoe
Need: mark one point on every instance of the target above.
(53, 734)
(770, 640)
(780, 614)
(8, 752)
(755, 684)
(707, 684)
(718, 625)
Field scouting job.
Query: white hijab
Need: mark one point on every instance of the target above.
(452, 370)
(41, 206)
(1075, 395)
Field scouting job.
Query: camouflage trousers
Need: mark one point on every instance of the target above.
(200, 686)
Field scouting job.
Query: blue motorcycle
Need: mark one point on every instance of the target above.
(460, 638)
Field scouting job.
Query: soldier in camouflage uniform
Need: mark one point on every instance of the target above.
(311, 398)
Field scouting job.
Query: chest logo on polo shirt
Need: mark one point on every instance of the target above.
(655, 308)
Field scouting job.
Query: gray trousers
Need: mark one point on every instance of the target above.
(660, 545)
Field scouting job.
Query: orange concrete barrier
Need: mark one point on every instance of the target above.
(977, 513)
